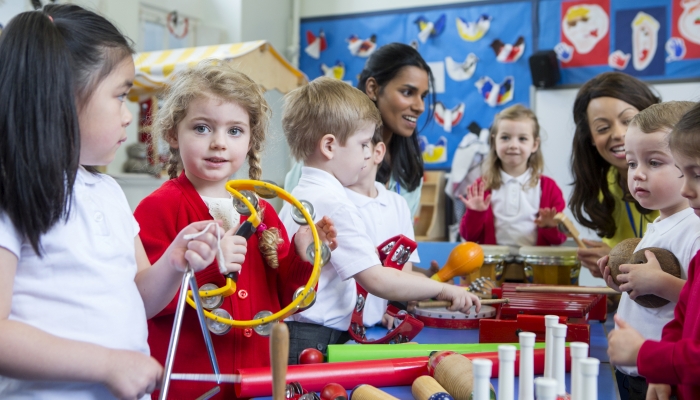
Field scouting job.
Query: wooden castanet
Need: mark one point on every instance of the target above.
(279, 354)
(567, 289)
(427, 388)
(453, 372)
(444, 303)
(369, 392)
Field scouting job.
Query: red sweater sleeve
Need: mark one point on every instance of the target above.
(674, 359)
(551, 197)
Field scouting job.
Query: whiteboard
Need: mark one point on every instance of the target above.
(553, 108)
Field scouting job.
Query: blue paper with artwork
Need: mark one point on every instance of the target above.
(479, 51)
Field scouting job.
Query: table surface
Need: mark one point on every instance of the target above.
(607, 388)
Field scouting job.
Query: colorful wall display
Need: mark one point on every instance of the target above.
(478, 51)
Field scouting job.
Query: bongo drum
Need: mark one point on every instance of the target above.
(495, 259)
(446, 319)
(550, 265)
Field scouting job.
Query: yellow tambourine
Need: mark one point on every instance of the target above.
(305, 296)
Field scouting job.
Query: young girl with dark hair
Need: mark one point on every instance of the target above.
(397, 79)
(603, 108)
(76, 286)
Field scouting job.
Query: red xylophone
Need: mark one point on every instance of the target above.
(525, 313)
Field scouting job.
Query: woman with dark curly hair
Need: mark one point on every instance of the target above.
(601, 201)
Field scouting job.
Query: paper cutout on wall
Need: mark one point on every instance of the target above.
(585, 25)
(438, 70)
(428, 28)
(461, 71)
(564, 52)
(473, 31)
(508, 53)
(619, 60)
(433, 153)
(362, 48)
(315, 44)
(448, 118)
(675, 49)
(495, 94)
(638, 32)
(336, 71)
(685, 25)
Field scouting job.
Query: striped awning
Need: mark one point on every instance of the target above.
(257, 59)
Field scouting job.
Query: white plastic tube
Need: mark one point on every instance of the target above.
(589, 384)
(482, 378)
(559, 357)
(527, 366)
(549, 322)
(506, 372)
(546, 388)
(579, 351)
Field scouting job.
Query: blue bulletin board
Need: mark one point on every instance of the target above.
(479, 52)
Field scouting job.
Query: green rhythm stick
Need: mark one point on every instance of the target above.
(345, 352)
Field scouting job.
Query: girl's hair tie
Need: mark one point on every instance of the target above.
(261, 228)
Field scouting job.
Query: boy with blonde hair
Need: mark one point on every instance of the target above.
(329, 126)
(656, 183)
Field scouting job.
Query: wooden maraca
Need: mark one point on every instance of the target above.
(667, 260)
(464, 259)
(427, 388)
(453, 372)
(369, 392)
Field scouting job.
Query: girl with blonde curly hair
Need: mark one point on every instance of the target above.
(214, 118)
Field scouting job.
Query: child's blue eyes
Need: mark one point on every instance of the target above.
(205, 129)
(122, 97)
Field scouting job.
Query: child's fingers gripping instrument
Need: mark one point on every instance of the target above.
(304, 297)
(246, 203)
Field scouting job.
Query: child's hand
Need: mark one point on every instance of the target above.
(131, 375)
(326, 232)
(234, 248)
(388, 321)
(640, 279)
(624, 343)
(658, 391)
(461, 299)
(605, 272)
(545, 218)
(198, 251)
(475, 197)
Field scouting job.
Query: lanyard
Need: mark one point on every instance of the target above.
(631, 219)
(398, 188)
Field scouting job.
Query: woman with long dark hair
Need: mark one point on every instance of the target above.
(397, 79)
(601, 201)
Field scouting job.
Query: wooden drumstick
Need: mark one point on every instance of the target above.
(279, 354)
(369, 392)
(568, 228)
(453, 372)
(444, 303)
(427, 388)
(567, 289)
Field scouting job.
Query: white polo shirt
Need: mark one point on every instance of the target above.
(385, 216)
(515, 208)
(83, 288)
(337, 293)
(680, 234)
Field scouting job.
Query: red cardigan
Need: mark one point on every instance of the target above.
(161, 216)
(675, 360)
(479, 226)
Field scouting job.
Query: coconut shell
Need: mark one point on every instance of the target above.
(621, 254)
(669, 264)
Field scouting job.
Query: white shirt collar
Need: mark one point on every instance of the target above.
(315, 176)
(522, 179)
(666, 224)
